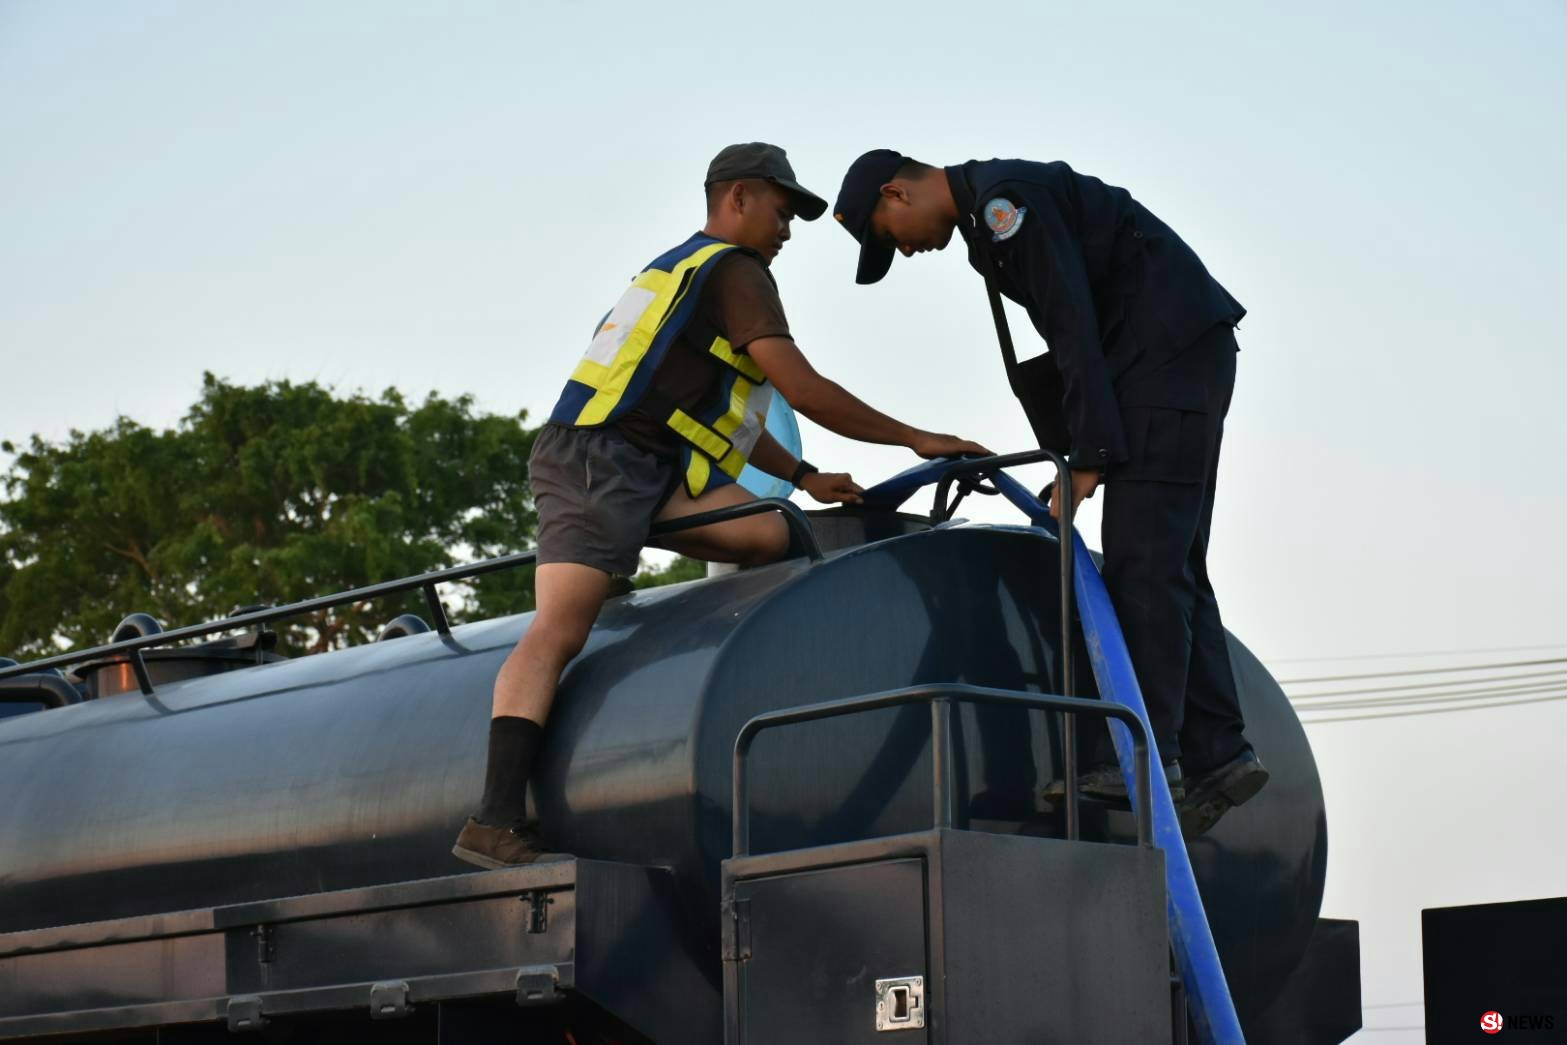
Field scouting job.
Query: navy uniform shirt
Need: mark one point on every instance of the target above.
(1112, 290)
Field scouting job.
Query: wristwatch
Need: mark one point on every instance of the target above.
(801, 470)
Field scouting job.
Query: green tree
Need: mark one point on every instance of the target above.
(679, 570)
(262, 495)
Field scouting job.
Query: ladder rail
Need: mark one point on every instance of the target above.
(969, 473)
(1197, 957)
(1211, 1005)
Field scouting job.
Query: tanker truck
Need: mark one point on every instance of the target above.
(805, 803)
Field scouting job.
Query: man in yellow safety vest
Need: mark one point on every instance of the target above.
(659, 417)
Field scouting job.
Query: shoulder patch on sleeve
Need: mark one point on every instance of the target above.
(1003, 219)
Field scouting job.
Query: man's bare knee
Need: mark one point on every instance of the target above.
(768, 543)
(556, 640)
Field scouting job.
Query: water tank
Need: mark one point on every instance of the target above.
(357, 767)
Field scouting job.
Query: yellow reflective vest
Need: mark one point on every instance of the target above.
(616, 373)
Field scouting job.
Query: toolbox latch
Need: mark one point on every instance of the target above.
(389, 1000)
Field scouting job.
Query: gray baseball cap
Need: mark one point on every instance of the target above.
(769, 163)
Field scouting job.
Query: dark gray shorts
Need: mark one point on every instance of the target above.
(597, 496)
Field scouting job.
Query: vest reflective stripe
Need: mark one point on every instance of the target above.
(699, 435)
(698, 473)
(742, 425)
(728, 443)
(623, 340)
(616, 372)
(699, 470)
(738, 360)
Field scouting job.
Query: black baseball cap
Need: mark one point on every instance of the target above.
(857, 200)
(770, 163)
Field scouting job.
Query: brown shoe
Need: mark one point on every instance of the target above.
(492, 847)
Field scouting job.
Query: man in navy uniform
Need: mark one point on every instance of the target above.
(1137, 383)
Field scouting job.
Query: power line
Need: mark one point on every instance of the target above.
(1435, 711)
(1433, 685)
(1423, 671)
(1414, 693)
(1480, 696)
(1427, 653)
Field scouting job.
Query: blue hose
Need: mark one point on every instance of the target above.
(1212, 1008)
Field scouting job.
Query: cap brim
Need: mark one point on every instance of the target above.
(875, 260)
(807, 205)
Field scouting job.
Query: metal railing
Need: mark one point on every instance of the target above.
(799, 526)
(940, 698)
(963, 471)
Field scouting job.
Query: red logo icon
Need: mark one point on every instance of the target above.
(1491, 1022)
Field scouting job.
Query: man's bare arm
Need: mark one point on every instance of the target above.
(838, 410)
(826, 487)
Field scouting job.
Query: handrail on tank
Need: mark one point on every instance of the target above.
(942, 472)
(794, 516)
(940, 697)
(798, 524)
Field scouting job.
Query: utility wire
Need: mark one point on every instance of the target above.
(1399, 656)
(1424, 671)
(1436, 711)
(1446, 698)
(1432, 685)
(1489, 687)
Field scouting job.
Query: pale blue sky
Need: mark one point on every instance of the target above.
(448, 196)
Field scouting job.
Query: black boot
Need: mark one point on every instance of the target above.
(1212, 794)
(1106, 784)
(498, 835)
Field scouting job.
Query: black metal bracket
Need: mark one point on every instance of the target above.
(139, 665)
(736, 942)
(244, 1013)
(539, 985)
(266, 944)
(538, 902)
(432, 599)
(389, 1000)
(940, 698)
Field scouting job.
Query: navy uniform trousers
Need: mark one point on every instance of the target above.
(1155, 532)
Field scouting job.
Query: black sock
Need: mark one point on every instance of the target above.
(514, 743)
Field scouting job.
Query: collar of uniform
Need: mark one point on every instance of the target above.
(963, 196)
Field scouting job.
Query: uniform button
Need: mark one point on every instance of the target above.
(1000, 264)
(1137, 234)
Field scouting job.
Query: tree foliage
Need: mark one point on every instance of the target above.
(261, 495)
(680, 569)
